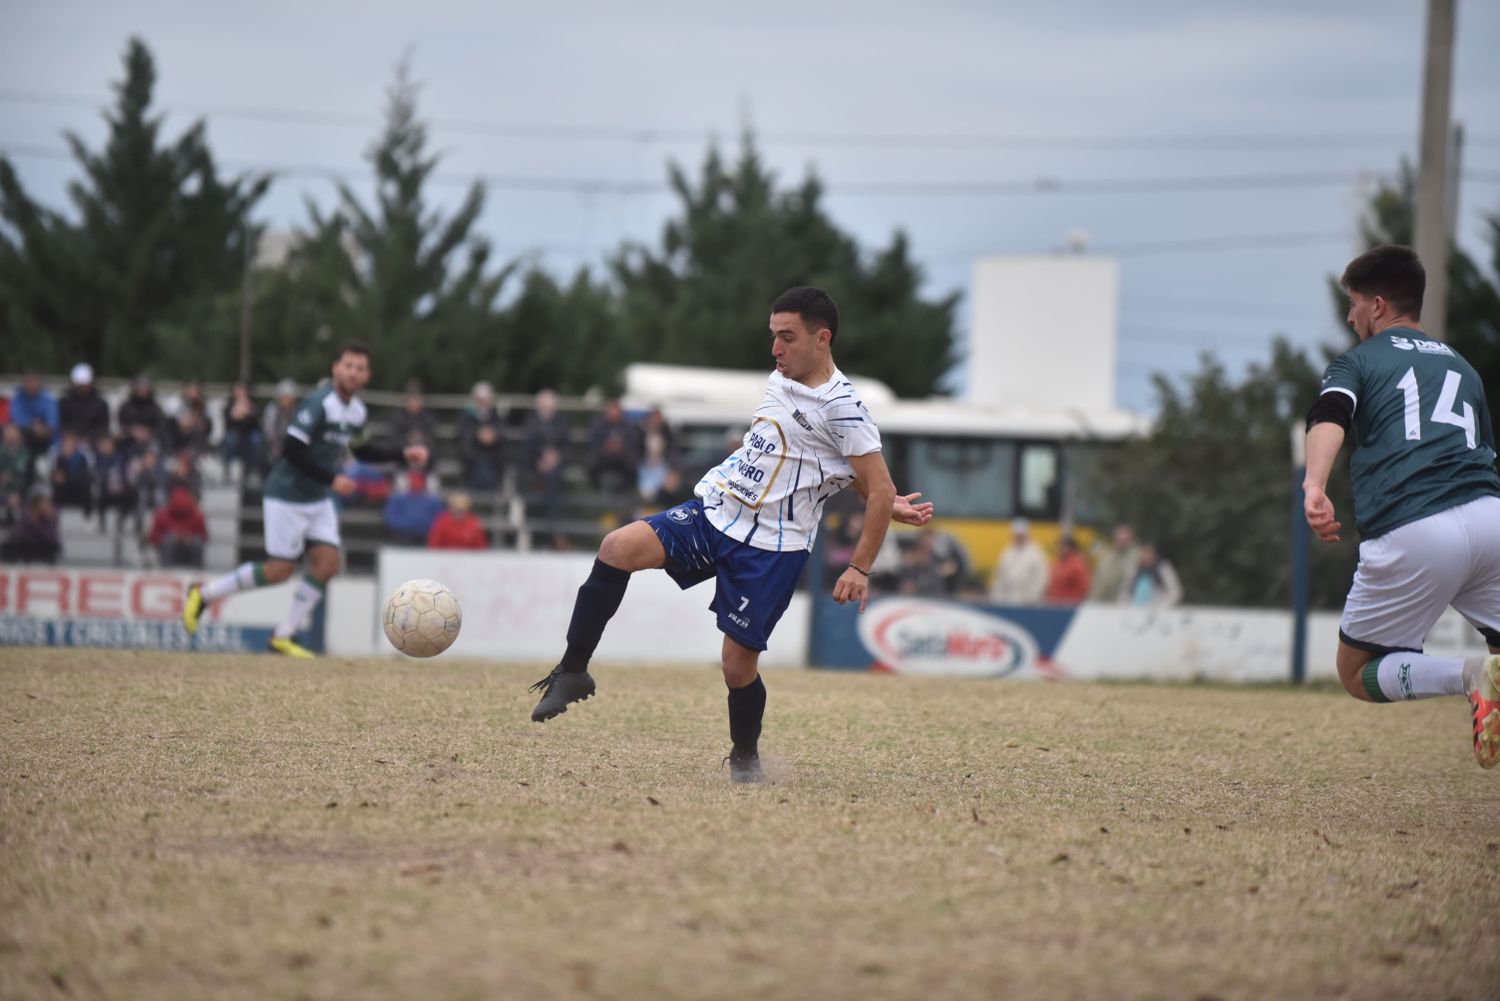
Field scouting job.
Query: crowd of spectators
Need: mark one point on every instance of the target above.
(933, 563)
(140, 469)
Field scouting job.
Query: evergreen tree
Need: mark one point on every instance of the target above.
(414, 285)
(700, 298)
(155, 236)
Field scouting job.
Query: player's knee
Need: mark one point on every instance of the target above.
(738, 674)
(629, 547)
(277, 571)
(1355, 687)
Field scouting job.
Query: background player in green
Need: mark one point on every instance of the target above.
(300, 515)
(1426, 497)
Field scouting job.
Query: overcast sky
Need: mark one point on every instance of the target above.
(1148, 90)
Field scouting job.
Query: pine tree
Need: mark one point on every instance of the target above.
(703, 296)
(155, 236)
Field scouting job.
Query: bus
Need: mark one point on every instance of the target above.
(982, 466)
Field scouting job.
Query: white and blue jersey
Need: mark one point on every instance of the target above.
(770, 493)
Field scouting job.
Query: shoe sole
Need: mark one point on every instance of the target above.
(542, 719)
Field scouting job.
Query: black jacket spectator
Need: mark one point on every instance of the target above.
(414, 424)
(73, 475)
(35, 538)
(481, 435)
(614, 450)
(140, 409)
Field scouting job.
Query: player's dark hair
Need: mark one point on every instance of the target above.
(353, 348)
(1392, 272)
(812, 304)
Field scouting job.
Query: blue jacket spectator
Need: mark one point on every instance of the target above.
(31, 400)
(409, 513)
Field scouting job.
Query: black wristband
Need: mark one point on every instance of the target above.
(853, 567)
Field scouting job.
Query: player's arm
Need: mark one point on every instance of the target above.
(1328, 421)
(296, 451)
(906, 509)
(873, 481)
(374, 451)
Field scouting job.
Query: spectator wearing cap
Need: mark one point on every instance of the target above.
(481, 435)
(457, 527)
(1021, 578)
(1071, 577)
(411, 510)
(179, 531)
(82, 410)
(34, 539)
(30, 401)
(414, 424)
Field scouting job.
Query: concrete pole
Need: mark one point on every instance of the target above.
(1432, 233)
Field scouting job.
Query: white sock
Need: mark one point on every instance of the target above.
(1404, 676)
(242, 578)
(309, 592)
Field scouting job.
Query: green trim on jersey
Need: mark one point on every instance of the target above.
(329, 426)
(1423, 441)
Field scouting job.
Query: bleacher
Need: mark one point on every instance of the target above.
(513, 517)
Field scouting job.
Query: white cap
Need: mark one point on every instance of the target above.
(1020, 526)
(82, 374)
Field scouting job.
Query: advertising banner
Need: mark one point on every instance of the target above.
(516, 606)
(72, 606)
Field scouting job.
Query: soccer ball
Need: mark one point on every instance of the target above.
(422, 618)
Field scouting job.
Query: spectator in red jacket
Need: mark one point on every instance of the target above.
(178, 530)
(1071, 578)
(457, 527)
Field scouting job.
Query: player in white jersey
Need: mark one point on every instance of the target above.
(753, 522)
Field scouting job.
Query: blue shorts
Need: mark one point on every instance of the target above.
(754, 585)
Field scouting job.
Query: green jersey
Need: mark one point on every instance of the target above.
(328, 426)
(1423, 441)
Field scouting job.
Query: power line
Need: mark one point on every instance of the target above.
(875, 189)
(654, 134)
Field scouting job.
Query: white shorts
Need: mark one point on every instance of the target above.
(1408, 576)
(291, 527)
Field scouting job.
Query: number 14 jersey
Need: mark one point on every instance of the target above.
(1423, 441)
(770, 493)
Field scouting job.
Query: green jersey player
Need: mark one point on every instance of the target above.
(1426, 497)
(300, 517)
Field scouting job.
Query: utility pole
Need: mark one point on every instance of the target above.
(247, 292)
(1432, 232)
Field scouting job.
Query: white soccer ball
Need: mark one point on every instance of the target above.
(422, 618)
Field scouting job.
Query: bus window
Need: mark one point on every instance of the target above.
(1039, 481)
(969, 477)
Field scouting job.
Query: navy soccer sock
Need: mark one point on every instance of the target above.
(597, 601)
(746, 708)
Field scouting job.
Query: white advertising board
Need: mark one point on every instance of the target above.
(516, 607)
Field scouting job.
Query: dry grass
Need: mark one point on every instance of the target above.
(183, 827)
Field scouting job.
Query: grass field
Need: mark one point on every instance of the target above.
(244, 827)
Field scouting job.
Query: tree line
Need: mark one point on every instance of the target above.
(151, 266)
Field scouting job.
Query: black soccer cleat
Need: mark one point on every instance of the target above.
(744, 766)
(558, 689)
